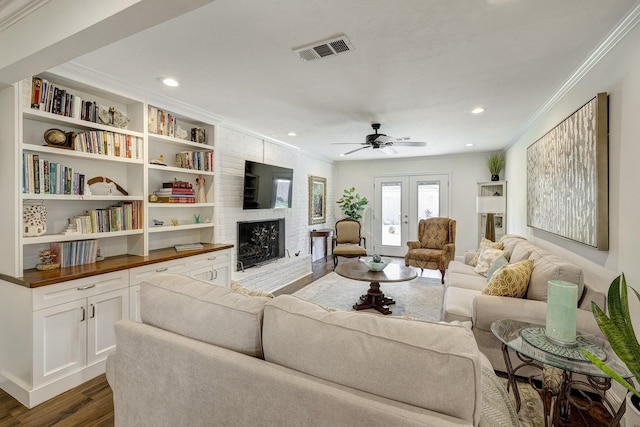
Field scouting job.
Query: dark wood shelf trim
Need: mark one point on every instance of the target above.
(33, 278)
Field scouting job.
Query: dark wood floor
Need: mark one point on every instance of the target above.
(91, 404)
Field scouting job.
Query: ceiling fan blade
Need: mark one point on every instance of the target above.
(388, 150)
(410, 144)
(347, 143)
(353, 151)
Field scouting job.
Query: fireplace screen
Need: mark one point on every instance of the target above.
(260, 242)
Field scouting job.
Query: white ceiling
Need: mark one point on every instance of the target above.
(418, 67)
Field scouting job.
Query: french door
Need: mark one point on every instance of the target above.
(399, 203)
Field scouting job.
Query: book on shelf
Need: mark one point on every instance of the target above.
(78, 252)
(108, 143)
(174, 199)
(188, 247)
(121, 217)
(162, 122)
(175, 191)
(41, 176)
(54, 99)
(177, 184)
(198, 160)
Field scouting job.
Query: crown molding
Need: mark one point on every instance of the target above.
(95, 78)
(13, 11)
(627, 24)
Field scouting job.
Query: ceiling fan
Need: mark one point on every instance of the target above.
(379, 140)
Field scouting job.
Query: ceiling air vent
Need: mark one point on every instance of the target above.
(325, 48)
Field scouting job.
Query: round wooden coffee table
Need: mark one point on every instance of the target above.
(374, 298)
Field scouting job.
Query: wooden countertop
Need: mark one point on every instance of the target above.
(33, 278)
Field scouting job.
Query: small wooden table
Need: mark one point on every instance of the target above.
(374, 298)
(325, 232)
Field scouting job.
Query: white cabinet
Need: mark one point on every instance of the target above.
(73, 323)
(214, 267)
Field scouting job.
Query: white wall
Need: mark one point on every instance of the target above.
(233, 148)
(618, 73)
(465, 172)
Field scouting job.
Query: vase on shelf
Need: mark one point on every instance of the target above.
(495, 177)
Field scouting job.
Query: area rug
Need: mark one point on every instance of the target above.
(420, 298)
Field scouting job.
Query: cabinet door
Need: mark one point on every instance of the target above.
(103, 311)
(213, 267)
(59, 341)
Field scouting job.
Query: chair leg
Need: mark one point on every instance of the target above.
(335, 261)
(442, 272)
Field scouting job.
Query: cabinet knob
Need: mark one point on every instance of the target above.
(93, 311)
(84, 288)
(84, 314)
(212, 258)
(160, 270)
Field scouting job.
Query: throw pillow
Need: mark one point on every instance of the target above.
(237, 287)
(487, 257)
(501, 261)
(511, 280)
(485, 243)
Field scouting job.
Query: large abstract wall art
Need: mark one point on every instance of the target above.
(567, 177)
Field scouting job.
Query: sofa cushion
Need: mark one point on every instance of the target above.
(462, 276)
(404, 360)
(522, 250)
(511, 280)
(486, 258)
(552, 267)
(509, 242)
(458, 304)
(485, 243)
(203, 311)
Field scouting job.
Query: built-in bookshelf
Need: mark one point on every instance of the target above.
(94, 160)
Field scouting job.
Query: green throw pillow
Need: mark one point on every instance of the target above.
(501, 261)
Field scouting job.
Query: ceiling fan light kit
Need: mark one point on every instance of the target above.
(383, 142)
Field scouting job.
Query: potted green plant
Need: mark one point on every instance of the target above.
(352, 204)
(495, 162)
(618, 329)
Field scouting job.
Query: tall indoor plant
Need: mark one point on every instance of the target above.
(495, 163)
(618, 329)
(352, 204)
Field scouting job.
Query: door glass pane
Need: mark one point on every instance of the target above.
(428, 199)
(391, 210)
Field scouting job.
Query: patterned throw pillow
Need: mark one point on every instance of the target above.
(501, 261)
(486, 258)
(237, 287)
(485, 243)
(511, 280)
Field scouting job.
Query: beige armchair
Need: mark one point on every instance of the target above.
(347, 241)
(436, 247)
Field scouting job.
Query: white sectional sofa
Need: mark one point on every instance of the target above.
(205, 355)
(464, 300)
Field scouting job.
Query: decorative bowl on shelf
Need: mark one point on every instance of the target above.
(373, 265)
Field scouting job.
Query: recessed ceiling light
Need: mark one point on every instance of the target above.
(292, 133)
(168, 81)
(468, 145)
(477, 110)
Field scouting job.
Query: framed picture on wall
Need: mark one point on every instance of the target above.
(317, 200)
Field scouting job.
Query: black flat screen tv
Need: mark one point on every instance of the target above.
(266, 186)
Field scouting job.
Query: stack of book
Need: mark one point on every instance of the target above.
(176, 192)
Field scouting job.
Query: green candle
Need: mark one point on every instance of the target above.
(562, 302)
